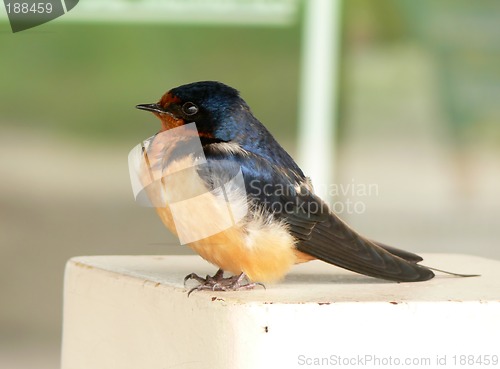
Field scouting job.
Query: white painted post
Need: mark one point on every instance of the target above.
(131, 312)
(319, 93)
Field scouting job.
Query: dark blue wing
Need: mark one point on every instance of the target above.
(286, 194)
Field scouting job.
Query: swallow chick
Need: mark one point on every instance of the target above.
(280, 221)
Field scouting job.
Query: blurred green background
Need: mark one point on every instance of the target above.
(419, 117)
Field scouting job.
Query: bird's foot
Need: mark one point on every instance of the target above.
(217, 282)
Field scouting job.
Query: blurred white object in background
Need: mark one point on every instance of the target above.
(319, 95)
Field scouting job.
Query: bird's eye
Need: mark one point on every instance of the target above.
(189, 108)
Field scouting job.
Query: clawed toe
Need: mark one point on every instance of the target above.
(217, 282)
(194, 276)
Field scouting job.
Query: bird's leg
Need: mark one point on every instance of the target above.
(217, 282)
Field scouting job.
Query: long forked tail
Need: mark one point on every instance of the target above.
(414, 258)
(451, 273)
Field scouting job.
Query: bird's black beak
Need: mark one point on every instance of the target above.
(155, 108)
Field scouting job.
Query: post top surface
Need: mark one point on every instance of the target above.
(315, 281)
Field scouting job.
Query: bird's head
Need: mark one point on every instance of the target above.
(213, 106)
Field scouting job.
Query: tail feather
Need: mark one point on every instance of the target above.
(414, 258)
(406, 255)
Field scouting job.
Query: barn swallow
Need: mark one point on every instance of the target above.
(284, 223)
